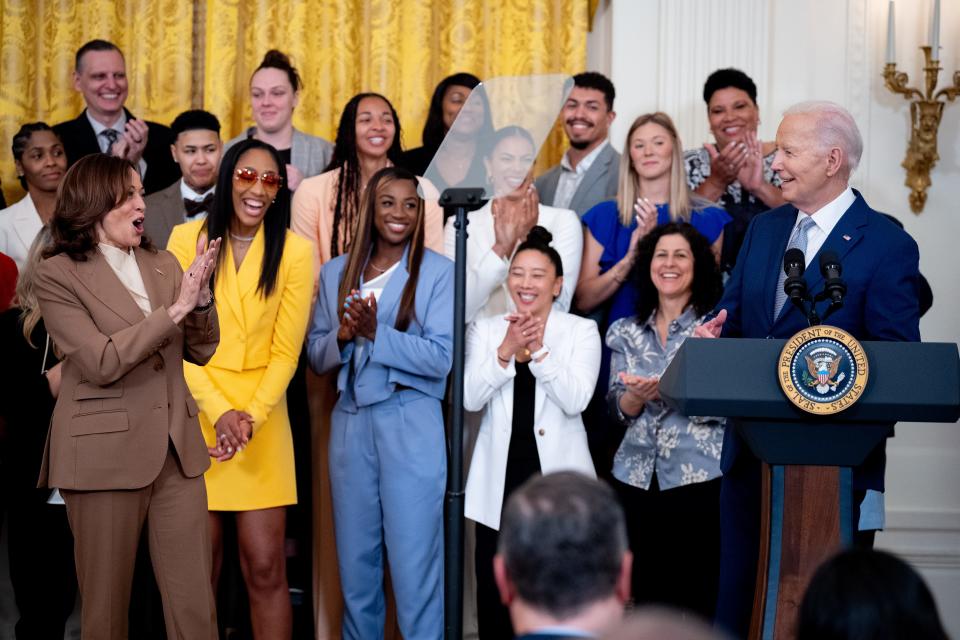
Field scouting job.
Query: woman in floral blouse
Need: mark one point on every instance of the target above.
(667, 469)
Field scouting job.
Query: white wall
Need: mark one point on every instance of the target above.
(659, 52)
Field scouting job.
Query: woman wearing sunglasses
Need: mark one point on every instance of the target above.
(262, 283)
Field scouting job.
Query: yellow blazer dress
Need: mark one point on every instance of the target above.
(260, 342)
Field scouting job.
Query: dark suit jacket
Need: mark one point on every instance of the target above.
(549, 636)
(123, 398)
(881, 268)
(165, 210)
(599, 183)
(79, 140)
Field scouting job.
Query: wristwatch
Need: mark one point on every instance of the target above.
(204, 307)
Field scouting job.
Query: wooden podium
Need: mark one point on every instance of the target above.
(807, 494)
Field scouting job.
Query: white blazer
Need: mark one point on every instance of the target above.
(565, 382)
(487, 294)
(19, 225)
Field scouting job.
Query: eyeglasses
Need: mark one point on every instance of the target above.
(271, 181)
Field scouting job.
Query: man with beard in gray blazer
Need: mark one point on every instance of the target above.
(197, 149)
(589, 170)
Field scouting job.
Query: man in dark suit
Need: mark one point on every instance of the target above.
(589, 170)
(197, 150)
(562, 565)
(818, 147)
(105, 126)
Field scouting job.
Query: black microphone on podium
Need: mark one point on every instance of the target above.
(833, 286)
(794, 286)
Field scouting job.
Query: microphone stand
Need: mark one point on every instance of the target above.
(456, 202)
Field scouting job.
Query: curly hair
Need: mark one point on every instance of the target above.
(93, 187)
(347, 205)
(707, 286)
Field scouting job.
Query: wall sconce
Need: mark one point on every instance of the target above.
(926, 108)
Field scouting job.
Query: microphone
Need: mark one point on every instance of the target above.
(794, 265)
(831, 270)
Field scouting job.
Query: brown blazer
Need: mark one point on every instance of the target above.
(122, 397)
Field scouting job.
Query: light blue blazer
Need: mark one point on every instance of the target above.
(419, 358)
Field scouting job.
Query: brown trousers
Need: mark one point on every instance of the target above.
(106, 528)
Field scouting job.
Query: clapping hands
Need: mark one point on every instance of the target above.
(524, 334)
(358, 318)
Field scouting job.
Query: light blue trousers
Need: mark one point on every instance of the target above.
(388, 469)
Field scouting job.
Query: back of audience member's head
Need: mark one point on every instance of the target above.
(598, 81)
(193, 120)
(726, 78)
(860, 594)
(563, 544)
(661, 623)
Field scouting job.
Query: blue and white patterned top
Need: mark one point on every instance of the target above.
(681, 450)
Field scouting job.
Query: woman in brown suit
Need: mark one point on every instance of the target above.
(124, 445)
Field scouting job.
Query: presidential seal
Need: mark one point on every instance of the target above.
(823, 370)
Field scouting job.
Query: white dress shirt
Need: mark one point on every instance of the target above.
(570, 178)
(124, 264)
(189, 194)
(824, 221)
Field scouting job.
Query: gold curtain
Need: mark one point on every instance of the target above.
(400, 48)
(38, 40)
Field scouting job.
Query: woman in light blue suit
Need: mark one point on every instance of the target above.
(384, 317)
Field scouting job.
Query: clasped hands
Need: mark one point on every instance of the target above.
(132, 142)
(357, 318)
(512, 220)
(524, 334)
(233, 430)
(740, 160)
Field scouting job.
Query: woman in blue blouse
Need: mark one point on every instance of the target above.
(667, 469)
(653, 190)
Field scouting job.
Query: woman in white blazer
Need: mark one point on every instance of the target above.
(530, 373)
(41, 163)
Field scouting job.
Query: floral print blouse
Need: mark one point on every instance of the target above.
(681, 450)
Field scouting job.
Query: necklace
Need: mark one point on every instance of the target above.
(242, 238)
(378, 269)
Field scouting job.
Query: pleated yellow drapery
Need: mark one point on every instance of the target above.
(400, 48)
(38, 40)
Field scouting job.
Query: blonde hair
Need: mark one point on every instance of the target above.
(26, 296)
(682, 201)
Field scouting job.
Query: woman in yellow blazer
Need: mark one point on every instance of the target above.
(262, 286)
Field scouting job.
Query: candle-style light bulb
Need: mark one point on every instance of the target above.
(935, 31)
(891, 32)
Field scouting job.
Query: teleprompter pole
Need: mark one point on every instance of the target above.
(456, 202)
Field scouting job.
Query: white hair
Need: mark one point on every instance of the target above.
(835, 128)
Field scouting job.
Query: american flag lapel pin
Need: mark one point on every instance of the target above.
(846, 237)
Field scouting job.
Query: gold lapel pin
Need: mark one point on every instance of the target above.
(158, 271)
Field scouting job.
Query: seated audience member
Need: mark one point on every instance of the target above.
(667, 469)
(274, 93)
(384, 323)
(562, 564)
(863, 593)
(262, 283)
(461, 163)
(326, 207)
(105, 126)
(531, 373)
(587, 173)
(41, 163)
(655, 623)
(735, 171)
(499, 226)
(196, 149)
(40, 544)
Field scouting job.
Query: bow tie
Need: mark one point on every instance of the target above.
(195, 207)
